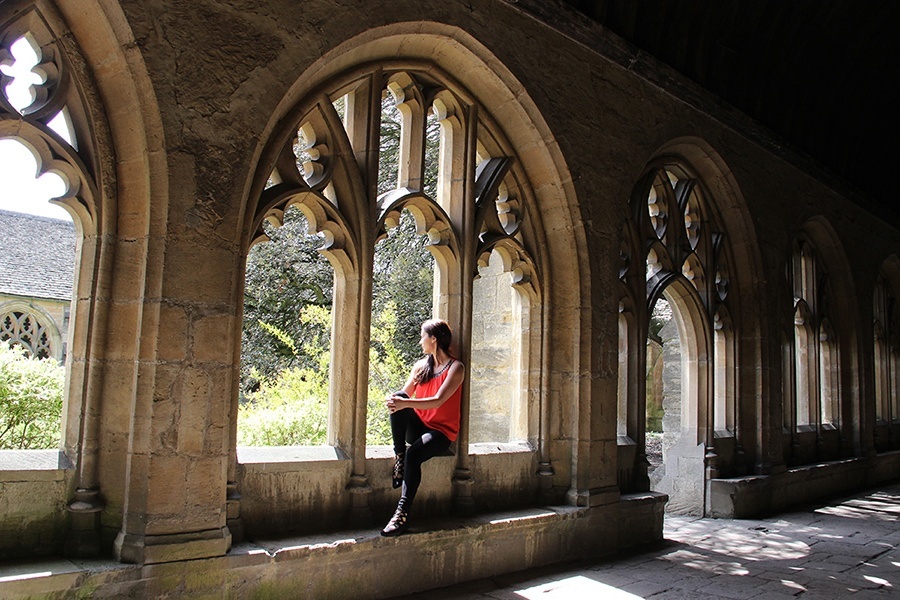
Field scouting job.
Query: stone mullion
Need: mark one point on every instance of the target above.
(363, 130)
(456, 288)
(82, 422)
(412, 144)
(638, 404)
(462, 214)
(545, 467)
(637, 397)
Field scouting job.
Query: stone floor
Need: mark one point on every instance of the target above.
(845, 548)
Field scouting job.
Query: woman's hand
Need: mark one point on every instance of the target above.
(395, 403)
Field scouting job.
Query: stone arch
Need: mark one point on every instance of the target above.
(495, 88)
(537, 184)
(689, 219)
(886, 355)
(693, 329)
(688, 436)
(849, 362)
(129, 218)
(726, 205)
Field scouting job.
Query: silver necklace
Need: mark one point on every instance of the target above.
(444, 368)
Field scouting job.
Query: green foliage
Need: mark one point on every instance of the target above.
(283, 277)
(402, 286)
(290, 409)
(389, 148)
(31, 396)
(287, 315)
(388, 369)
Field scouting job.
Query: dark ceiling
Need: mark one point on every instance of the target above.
(821, 74)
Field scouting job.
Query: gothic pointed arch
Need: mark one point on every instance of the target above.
(886, 357)
(678, 246)
(497, 186)
(825, 396)
(91, 126)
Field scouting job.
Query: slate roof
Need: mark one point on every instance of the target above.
(37, 256)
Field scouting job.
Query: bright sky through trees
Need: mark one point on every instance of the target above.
(21, 189)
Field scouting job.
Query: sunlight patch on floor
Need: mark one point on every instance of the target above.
(575, 588)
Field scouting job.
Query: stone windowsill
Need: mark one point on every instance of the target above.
(33, 465)
(289, 454)
(479, 449)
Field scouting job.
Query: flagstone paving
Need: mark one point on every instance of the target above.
(843, 549)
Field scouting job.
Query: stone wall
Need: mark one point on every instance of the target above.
(189, 108)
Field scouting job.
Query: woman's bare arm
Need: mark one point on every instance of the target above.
(454, 379)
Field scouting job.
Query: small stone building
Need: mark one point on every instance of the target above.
(37, 264)
(594, 156)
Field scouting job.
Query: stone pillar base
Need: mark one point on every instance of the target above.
(594, 497)
(463, 502)
(83, 540)
(145, 549)
(233, 512)
(545, 483)
(360, 490)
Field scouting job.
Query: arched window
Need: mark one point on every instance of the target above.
(286, 338)
(47, 147)
(680, 338)
(814, 396)
(428, 218)
(26, 330)
(886, 328)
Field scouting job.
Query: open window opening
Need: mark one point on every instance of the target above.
(39, 245)
(676, 421)
(286, 338)
(814, 369)
(663, 404)
(497, 377)
(402, 299)
(677, 412)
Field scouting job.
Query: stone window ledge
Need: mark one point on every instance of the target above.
(484, 448)
(289, 454)
(479, 449)
(33, 465)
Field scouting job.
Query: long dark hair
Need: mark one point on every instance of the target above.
(441, 332)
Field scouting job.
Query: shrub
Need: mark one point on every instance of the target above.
(291, 410)
(31, 397)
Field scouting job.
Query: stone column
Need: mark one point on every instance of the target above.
(177, 458)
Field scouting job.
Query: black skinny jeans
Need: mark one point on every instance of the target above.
(425, 443)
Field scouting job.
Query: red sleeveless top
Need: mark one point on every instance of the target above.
(446, 417)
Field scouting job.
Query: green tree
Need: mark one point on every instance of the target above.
(284, 276)
(292, 407)
(287, 324)
(404, 269)
(31, 397)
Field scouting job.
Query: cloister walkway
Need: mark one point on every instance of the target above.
(847, 548)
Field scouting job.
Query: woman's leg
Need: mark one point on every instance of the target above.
(430, 444)
(406, 426)
(400, 422)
